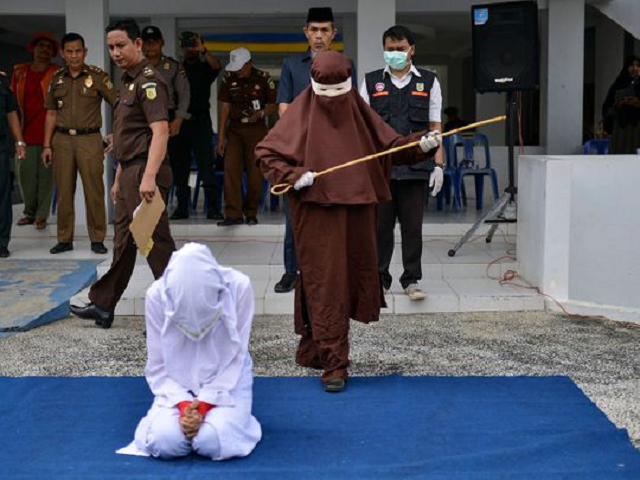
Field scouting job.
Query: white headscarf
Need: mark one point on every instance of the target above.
(199, 338)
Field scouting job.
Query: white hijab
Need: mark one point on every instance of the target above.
(199, 337)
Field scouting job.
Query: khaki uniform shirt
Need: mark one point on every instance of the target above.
(78, 100)
(178, 84)
(247, 94)
(143, 100)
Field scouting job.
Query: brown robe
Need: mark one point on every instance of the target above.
(334, 221)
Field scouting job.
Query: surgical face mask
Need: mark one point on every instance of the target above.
(396, 60)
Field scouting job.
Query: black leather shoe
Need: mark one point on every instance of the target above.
(286, 283)
(61, 247)
(214, 215)
(98, 247)
(252, 221)
(4, 252)
(179, 215)
(91, 311)
(230, 221)
(335, 385)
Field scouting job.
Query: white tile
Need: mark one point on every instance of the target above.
(126, 306)
(440, 298)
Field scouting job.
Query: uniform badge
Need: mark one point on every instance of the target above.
(167, 66)
(147, 72)
(131, 87)
(379, 86)
(59, 103)
(88, 81)
(272, 85)
(60, 81)
(420, 87)
(150, 90)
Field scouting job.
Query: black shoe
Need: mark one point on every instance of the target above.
(61, 247)
(179, 215)
(252, 221)
(230, 221)
(91, 311)
(4, 252)
(214, 215)
(286, 283)
(98, 247)
(335, 385)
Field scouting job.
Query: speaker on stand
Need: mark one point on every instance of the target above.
(505, 59)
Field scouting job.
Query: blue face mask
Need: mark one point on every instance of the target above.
(396, 60)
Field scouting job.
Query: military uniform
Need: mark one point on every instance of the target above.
(143, 100)
(195, 135)
(245, 95)
(7, 105)
(77, 146)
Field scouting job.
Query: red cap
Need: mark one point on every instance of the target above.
(43, 35)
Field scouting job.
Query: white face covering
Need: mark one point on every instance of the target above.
(331, 90)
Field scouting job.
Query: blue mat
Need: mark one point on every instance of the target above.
(381, 427)
(36, 292)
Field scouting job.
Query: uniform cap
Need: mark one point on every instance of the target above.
(151, 33)
(43, 35)
(237, 59)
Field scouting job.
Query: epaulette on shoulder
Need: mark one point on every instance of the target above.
(58, 71)
(148, 72)
(95, 69)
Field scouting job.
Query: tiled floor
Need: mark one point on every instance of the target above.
(465, 282)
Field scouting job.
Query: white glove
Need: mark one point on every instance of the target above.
(430, 141)
(306, 180)
(435, 180)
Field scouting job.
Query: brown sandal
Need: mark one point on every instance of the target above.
(25, 221)
(40, 223)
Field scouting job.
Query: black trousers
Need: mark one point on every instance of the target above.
(407, 206)
(195, 136)
(5, 194)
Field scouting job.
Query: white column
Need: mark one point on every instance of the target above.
(168, 27)
(565, 76)
(89, 19)
(374, 17)
(609, 59)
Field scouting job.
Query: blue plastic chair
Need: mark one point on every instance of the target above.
(449, 177)
(596, 147)
(468, 165)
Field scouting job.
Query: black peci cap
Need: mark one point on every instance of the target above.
(320, 15)
(151, 33)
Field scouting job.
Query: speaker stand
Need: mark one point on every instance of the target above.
(505, 209)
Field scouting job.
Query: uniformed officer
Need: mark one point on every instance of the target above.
(9, 121)
(247, 95)
(196, 132)
(140, 135)
(72, 141)
(179, 97)
(409, 99)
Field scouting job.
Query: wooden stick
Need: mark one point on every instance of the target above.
(283, 188)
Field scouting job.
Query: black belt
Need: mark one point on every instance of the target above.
(77, 131)
(133, 163)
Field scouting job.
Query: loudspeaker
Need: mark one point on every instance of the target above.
(505, 46)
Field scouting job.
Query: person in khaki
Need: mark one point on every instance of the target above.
(247, 95)
(73, 143)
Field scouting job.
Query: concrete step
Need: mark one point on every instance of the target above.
(464, 283)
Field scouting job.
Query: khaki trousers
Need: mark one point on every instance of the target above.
(84, 154)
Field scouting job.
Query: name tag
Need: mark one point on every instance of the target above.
(380, 94)
(420, 94)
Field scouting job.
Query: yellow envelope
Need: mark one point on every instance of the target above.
(145, 219)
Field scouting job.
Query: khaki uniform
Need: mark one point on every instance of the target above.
(143, 100)
(178, 84)
(77, 146)
(245, 95)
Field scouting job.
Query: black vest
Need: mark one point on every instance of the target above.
(406, 110)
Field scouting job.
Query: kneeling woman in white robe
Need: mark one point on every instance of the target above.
(198, 318)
